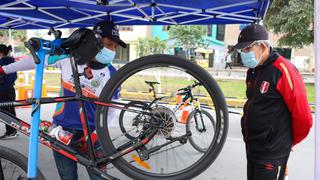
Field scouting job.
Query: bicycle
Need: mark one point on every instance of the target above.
(148, 156)
(198, 116)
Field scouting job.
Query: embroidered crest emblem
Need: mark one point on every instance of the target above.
(264, 87)
(95, 83)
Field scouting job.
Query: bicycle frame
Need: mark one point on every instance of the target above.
(32, 129)
(187, 95)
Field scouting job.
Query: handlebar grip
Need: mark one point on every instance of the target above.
(33, 45)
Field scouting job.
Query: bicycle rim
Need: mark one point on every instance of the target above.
(179, 159)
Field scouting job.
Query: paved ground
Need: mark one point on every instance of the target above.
(230, 165)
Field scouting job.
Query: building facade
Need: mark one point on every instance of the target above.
(212, 56)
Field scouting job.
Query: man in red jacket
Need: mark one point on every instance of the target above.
(277, 115)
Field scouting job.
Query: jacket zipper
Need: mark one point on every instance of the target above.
(249, 102)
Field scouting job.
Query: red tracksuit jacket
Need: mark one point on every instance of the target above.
(277, 114)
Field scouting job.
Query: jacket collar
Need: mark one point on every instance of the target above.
(96, 65)
(272, 57)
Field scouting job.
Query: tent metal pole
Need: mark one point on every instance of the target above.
(317, 87)
(196, 20)
(12, 15)
(232, 5)
(236, 19)
(166, 14)
(52, 15)
(12, 3)
(11, 41)
(232, 14)
(196, 11)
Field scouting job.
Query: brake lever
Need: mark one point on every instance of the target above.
(57, 33)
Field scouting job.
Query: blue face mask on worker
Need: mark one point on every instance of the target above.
(105, 56)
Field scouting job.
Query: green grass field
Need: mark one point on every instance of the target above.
(229, 88)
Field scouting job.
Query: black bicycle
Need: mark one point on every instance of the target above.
(161, 148)
(199, 122)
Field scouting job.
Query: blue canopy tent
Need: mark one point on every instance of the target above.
(35, 14)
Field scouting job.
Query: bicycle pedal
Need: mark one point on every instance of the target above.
(138, 160)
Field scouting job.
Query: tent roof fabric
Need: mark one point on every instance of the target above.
(38, 14)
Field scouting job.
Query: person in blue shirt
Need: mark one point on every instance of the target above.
(66, 116)
(7, 91)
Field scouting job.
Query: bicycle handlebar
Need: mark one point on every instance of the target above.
(190, 87)
(50, 47)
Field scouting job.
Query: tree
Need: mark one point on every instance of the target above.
(188, 37)
(16, 34)
(293, 19)
(148, 46)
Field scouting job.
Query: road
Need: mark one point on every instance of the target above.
(230, 165)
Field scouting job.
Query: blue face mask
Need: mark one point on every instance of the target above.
(105, 56)
(249, 59)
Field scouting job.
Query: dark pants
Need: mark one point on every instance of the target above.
(228, 65)
(67, 168)
(267, 169)
(8, 95)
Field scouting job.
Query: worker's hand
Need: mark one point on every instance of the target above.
(293, 148)
(2, 71)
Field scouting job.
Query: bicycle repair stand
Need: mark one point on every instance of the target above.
(39, 48)
(35, 122)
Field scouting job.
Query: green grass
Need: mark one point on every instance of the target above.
(310, 92)
(238, 89)
(234, 88)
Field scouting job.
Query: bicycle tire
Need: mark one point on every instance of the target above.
(121, 115)
(198, 73)
(191, 140)
(17, 159)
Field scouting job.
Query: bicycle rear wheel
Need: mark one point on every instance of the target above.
(166, 155)
(14, 165)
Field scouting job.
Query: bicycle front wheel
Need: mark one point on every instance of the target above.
(202, 127)
(14, 165)
(129, 126)
(166, 154)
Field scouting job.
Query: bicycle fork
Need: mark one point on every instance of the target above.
(198, 109)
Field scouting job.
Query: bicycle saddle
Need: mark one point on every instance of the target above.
(151, 83)
(83, 45)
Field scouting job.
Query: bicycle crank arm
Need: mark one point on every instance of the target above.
(133, 146)
(144, 154)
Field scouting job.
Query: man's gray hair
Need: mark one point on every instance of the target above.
(266, 42)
